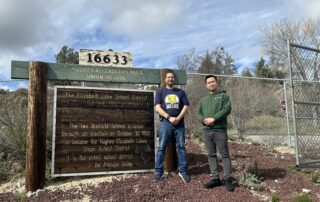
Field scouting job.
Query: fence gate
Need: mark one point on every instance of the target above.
(304, 71)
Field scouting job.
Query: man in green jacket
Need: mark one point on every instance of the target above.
(213, 110)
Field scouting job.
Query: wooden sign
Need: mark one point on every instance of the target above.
(105, 58)
(100, 131)
(74, 72)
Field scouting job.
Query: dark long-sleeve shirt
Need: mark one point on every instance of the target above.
(216, 105)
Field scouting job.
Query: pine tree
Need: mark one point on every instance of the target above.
(246, 72)
(67, 55)
(207, 65)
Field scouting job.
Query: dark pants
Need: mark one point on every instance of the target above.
(214, 140)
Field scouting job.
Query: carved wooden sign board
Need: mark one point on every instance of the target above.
(97, 73)
(102, 131)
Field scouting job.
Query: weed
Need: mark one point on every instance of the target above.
(254, 170)
(243, 153)
(250, 180)
(4, 169)
(256, 143)
(21, 196)
(232, 138)
(252, 177)
(302, 198)
(294, 168)
(315, 177)
(307, 170)
(275, 198)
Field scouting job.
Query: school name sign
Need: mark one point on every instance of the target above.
(20, 70)
(102, 131)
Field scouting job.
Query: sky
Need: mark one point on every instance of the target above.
(155, 32)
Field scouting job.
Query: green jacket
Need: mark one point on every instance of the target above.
(217, 106)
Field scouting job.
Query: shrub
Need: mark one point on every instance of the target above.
(294, 168)
(266, 122)
(250, 180)
(254, 170)
(13, 121)
(3, 171)
(252, 177)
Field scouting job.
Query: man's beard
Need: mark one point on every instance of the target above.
(170, 84)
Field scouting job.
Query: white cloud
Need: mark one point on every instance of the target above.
(5, 87)
(303, 8)
(143, 17)
(156, 32)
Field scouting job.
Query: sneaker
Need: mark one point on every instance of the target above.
(157, 177)
(185, 177)
(229, 185)
(213, 183)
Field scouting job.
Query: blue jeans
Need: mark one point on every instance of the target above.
(167, 130)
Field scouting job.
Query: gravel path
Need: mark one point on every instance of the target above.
(278, 180)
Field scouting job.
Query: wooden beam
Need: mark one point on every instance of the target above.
(171, 159)
(75, 72)
(36, 132)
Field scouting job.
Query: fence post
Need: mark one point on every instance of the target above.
(171, 160)
(287, 111)
(37, 125)
(293, 104)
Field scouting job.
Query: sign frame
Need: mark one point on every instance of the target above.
(75, 72)
(100, 172)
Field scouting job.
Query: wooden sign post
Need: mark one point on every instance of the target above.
(37, 125)
(38, 73)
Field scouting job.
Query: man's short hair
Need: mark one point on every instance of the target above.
(209, 76)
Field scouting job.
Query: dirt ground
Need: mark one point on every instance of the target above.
(275, 164)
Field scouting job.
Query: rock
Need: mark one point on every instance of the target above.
(30, 194)
(21, 189)
(307, 191)
(16, 167)
(19, 184)
(39, 192)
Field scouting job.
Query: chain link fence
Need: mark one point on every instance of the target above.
(260, 108)
(304, 63)
(256, 110)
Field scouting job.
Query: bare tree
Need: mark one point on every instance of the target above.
(216, 61)
(305, 63)
(274, 43)
(189, 62)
